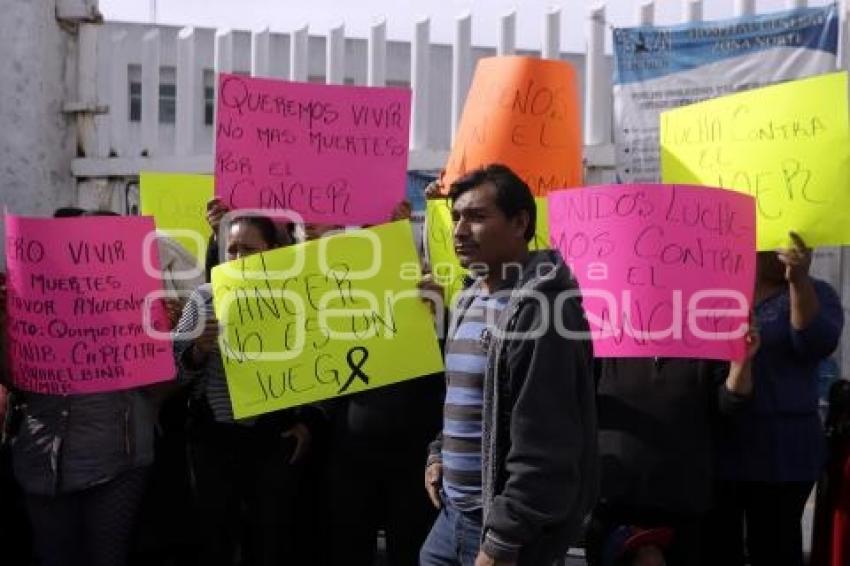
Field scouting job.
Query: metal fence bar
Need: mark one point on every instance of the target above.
(461, 67)
(335, 59)
(187, 86)
(420, 69)
(151, 62)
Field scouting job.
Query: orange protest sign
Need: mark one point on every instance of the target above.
(524, 113)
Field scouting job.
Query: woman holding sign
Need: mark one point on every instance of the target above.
(15, 536)
(82, 461)
(250, 466)
(656, 420)
(772, 454)
(374, 470)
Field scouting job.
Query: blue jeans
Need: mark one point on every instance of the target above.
(454, 539)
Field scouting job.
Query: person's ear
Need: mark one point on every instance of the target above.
(520, 224)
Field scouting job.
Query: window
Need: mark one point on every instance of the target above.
(401, 84)
(134, 78)
(167, 95)
(209, 97)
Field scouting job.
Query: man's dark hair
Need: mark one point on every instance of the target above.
(512, 193)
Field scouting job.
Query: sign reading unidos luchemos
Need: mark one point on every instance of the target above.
(664, 270)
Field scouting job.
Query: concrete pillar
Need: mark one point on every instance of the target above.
(38, 66)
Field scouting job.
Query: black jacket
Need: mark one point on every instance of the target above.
(657, 422)
(400, 417)
(63, 444)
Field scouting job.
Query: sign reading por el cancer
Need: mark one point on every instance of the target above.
(334, 154)
(77, 291)
(664, 270)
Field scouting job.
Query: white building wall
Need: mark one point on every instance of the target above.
(356, 55)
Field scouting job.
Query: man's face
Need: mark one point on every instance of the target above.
(483, 235)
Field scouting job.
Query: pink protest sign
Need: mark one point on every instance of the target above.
(664, 270)
(77, 290)
(334, 154)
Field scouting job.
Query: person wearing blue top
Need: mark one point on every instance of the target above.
(771, 455)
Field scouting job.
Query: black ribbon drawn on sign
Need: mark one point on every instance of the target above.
(356, 367)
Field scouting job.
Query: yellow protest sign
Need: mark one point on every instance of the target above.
(322, 319)
(445, 266)
(178, 203)
(788, 145)
(541, 233)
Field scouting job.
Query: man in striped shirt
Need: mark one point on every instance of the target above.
(514, 470)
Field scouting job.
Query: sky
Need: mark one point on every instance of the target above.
(401, 15)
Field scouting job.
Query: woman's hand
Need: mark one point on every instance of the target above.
(401, 211)
(302, 437)
(173, 310)
(740, 378)
(216, 210)
(206, 342)
(434, 190)
(797, 260)
(432, 293)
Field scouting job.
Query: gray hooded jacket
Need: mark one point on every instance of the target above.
(539, 445)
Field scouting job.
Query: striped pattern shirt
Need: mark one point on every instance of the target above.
(208, 382)
(466, 362)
